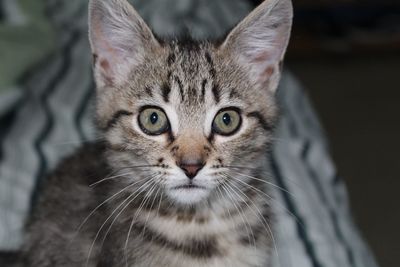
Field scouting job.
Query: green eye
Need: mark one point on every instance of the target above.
(153, 121)
(227, 121)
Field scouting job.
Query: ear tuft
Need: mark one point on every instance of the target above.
(119, 39)
(259, 42)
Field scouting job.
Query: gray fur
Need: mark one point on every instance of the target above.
(113, 203)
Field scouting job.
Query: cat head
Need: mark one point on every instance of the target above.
(187, 119)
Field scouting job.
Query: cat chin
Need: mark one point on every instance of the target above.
(185, 196)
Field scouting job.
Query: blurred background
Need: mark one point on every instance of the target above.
(346, 53)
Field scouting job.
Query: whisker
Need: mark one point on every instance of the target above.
(137, 192)
(102, 204)
(260, 216)
(241, 213)
(238, 167)
(269, 197)
(151, 206)
(266, 182)
(121, 175)
(109, 217)
(293, 181)
(221, 197)
(252, 233)
(144, 201)
(160, 201)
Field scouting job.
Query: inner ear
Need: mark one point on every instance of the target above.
(119, 40)
(259, 42)
(106, 71)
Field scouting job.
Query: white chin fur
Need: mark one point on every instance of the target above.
(188, 196)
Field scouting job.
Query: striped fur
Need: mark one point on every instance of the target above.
(145, 219)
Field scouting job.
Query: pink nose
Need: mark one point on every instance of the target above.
(191, 169)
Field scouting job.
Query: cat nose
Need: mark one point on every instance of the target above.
(191, 168)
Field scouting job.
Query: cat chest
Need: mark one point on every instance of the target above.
(204, 239)
(241, 259)
(235, 255)
(187, 246)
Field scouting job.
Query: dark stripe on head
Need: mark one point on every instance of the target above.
(233, 94)
(115, 118)
(180, 85)
(209, 59)
(171, 59)
(211, 64)
(216, 93)
(165, 90)
(261, 120)
(148, 91)
(192, 93)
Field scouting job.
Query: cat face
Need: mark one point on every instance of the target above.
(183, 119)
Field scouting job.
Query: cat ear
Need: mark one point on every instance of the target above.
(119, 39)
(259, 42)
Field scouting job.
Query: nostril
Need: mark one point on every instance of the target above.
(191, 170)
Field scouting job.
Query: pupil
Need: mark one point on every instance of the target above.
(154, 118)
(226, 119)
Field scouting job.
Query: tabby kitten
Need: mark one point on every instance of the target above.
(181, 178)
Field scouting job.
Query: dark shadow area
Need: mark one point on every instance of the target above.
(347, 56)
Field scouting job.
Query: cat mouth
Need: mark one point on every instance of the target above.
(188, 187)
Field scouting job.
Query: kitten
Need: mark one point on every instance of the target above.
(181, 178)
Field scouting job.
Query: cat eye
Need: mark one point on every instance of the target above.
(227, 121)
(153, 121)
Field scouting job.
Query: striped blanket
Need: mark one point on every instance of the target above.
(51, 117)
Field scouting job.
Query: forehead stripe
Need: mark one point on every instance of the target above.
(148, 91)
(171, 59)
(216, 93)
(180, 85)
(165, 91)
(233, 94)
(211, 64)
